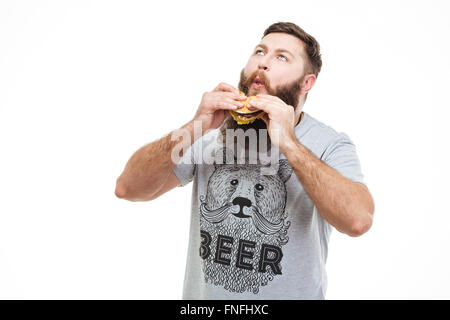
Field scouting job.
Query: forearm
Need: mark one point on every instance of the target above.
(345, 204)
(149, 167)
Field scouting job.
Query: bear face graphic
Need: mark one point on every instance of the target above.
(243, 225)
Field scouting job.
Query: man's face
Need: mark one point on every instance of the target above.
(276, 67)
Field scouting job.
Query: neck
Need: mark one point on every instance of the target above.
(298, 115)
(299, 109)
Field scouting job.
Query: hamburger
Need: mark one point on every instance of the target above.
(244, 115)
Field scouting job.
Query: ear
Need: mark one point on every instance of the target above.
(223, 156)
(284, 170)
(308, 83)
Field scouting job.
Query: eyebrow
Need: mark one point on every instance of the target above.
(261, 45)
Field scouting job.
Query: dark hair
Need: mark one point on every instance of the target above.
(312, 47)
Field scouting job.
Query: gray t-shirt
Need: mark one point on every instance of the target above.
(272, 243)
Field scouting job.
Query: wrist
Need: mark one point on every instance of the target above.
(198, 123)
(289, 146)
(194, 129)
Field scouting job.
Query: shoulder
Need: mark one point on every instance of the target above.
(319, 128)
(318, 136)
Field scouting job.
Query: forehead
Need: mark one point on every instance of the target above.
(286, 41)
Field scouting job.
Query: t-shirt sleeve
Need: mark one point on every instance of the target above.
(341, 156)
(185, 169)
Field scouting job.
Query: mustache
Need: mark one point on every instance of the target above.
(246, 82)
(289, 93)
(216, 215)
(220, 214)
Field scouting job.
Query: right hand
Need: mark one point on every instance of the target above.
(215, 105)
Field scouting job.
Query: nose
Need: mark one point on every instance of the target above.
(263, 66)
(263, 63)
(242, 202)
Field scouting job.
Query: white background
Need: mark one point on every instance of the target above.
(84, 84)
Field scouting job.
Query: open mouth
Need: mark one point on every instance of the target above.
(258, 83)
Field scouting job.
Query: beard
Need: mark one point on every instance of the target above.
(288, 93)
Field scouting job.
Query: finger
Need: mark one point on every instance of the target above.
(226, 88)
(272, 100)
(251, 106)
(269, 98)
(232, 95)
(262, 104)
(233, 101)
(256, 104)
(224, 105)
(262, 95)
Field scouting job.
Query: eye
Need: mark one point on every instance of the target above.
(259, 187)
(281, 56)
(234, 182)
(256, 52)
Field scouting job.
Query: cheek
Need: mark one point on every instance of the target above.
(247, 70)
(280, 77)
(251, 66)
(274, 83)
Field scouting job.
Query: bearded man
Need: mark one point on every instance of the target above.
(255, 235)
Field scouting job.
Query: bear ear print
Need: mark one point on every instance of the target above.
(284, 170)
(223, 156)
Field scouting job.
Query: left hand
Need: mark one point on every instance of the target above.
(279, 118)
